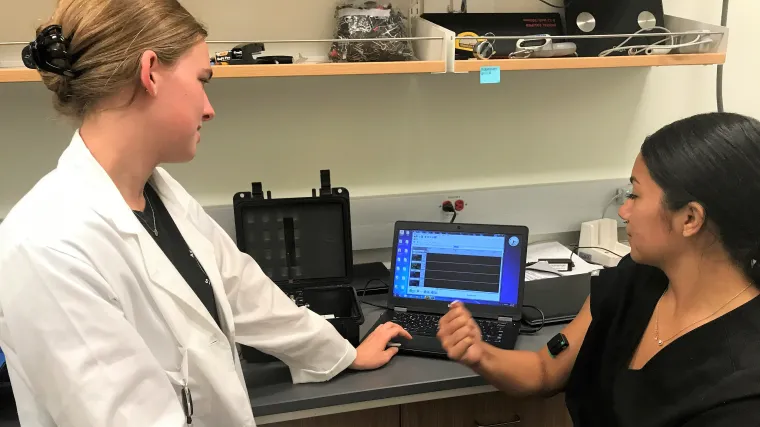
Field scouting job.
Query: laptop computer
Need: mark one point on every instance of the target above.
(434, 264)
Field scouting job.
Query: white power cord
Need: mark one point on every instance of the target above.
(719, 82)
(660, 47)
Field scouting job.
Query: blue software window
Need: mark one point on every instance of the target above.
(472, 268)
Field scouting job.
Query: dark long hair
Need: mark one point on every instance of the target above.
(714, 160)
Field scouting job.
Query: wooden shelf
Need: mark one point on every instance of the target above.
(9, 75)
(330, 69)
(464, 66)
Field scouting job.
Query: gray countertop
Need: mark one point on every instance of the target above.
(272, 392)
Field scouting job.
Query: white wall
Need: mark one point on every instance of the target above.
(398, 134)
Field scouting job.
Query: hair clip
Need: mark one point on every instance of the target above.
(49, 52)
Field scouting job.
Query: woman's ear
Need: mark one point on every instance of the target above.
(693, 218)
(148, 76)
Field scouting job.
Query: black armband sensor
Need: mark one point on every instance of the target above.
(557, 345)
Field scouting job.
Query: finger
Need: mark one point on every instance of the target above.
(458, 351)
(395, 330)
(404, 333)
(461, 310)
(446, 329)
(458, 336)
(476, 329)
(389, 353)
(453, 313)
(450, 317)
(454, 325)
(382, 330)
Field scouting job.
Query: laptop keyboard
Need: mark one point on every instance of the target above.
(491, 330)
(427, 325)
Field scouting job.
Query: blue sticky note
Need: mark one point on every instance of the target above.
(490, 75)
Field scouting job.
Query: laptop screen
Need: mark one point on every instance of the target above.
(474, 268)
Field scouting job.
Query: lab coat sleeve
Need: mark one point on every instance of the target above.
(83, 360)
(266, 319)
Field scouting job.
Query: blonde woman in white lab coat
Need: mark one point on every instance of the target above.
(120, 298)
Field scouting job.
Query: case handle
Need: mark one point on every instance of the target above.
(257, 191)
(325, 188)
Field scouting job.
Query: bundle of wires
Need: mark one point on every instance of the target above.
(371, 21)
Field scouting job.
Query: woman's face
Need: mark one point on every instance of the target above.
(648, 226)
(180, 105)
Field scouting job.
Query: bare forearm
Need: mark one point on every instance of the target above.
(517, 373)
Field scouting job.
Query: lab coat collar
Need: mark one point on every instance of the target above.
(109, 201)
(111, 206)
(106, 198)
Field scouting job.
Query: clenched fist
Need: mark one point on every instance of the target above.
(460, 335)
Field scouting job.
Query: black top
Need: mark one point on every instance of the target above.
(166, 234)
(709, 377)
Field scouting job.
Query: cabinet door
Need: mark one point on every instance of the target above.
(378, 417)
(487, 410)
(555, 412)
(480, 410)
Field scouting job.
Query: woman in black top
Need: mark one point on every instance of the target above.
(671, 336)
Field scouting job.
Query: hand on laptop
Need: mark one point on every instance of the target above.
(374, 352)
(460, 335)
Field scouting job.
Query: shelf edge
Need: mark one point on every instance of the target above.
(329, 69)
(18, 75)
(587, 63)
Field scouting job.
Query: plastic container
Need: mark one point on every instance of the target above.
(304, 245)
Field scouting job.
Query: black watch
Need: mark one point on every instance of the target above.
(557, 345)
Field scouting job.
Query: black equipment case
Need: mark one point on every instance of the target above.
(304, 245)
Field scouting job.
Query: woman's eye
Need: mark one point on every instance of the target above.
(631, 196)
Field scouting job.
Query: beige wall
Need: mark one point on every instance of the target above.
(398, 134)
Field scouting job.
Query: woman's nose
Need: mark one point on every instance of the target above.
(625, 210)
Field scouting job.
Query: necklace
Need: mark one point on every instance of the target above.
(153, 228)
(192, 255)
(660, 341)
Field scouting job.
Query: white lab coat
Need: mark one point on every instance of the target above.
(99, 328)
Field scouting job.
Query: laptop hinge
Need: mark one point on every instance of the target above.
(505, 319)
(400, 309)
